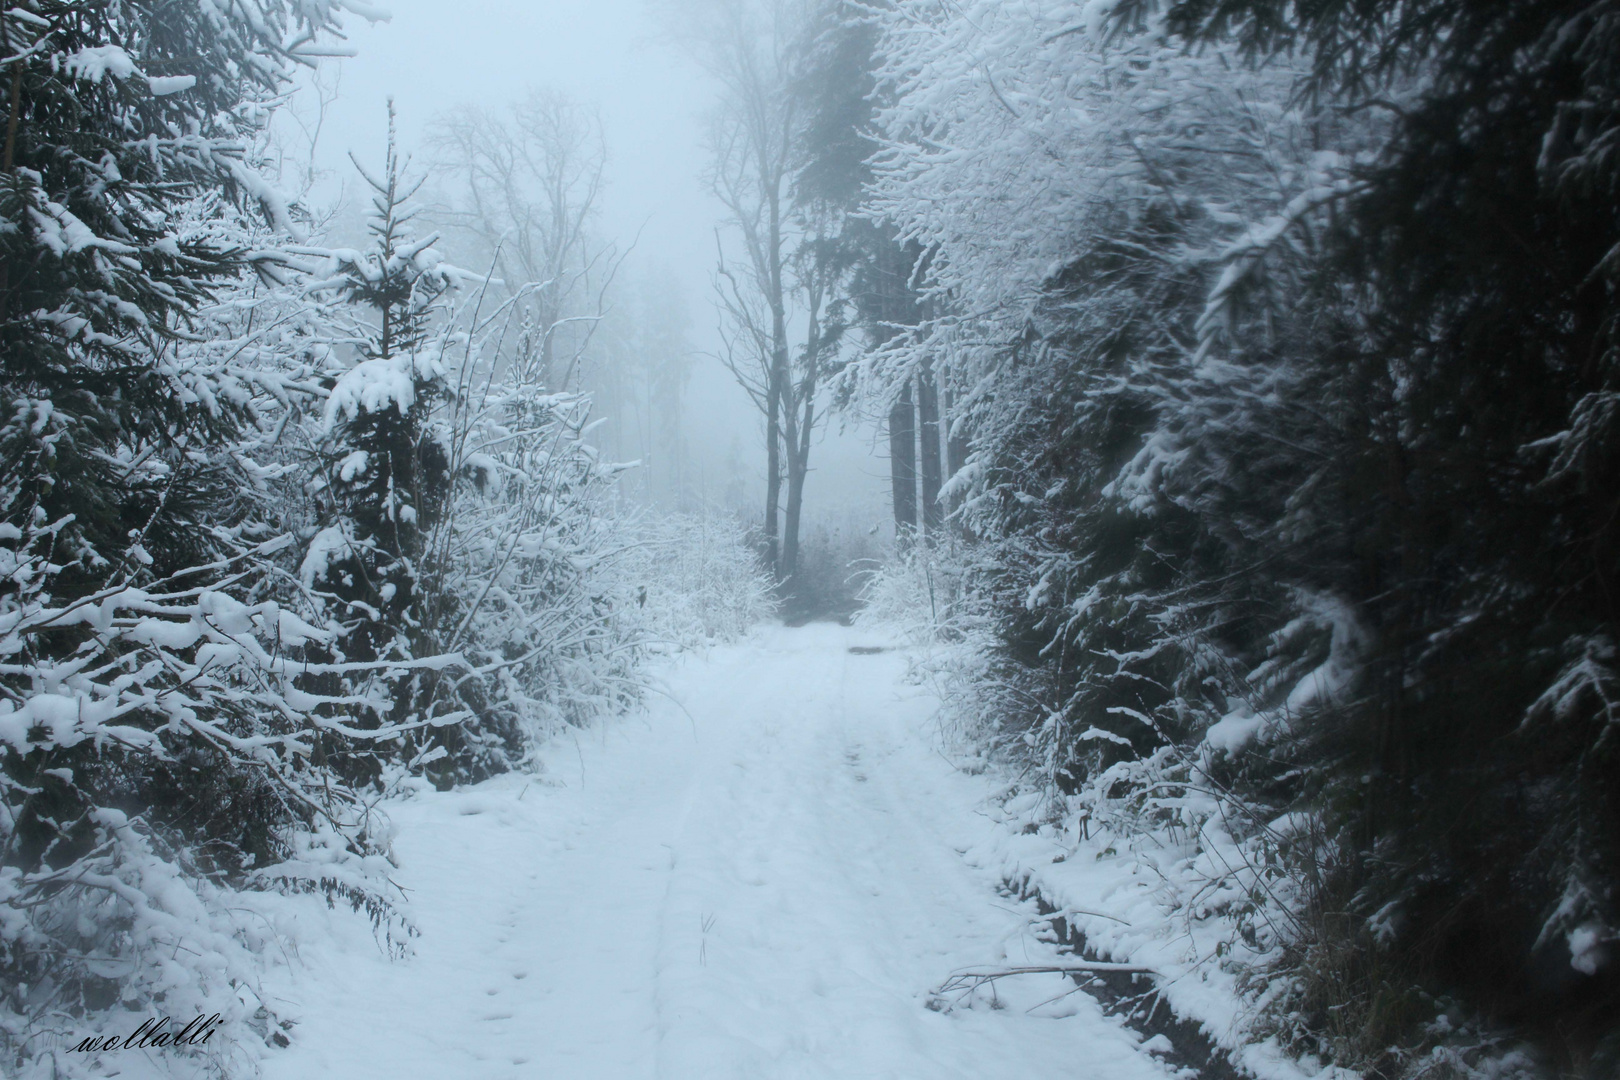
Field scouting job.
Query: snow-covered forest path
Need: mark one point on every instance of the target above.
(763, 880)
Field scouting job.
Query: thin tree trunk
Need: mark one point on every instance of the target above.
(956, 449)
(903, 465)
(13, 110)
(773, 471)
(933, 514)
(801, 426)
(798, 469)
(956, 452)
(771, 184)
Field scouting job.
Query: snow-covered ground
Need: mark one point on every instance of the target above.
(762, 876)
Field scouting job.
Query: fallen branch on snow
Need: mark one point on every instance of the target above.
(974, 978)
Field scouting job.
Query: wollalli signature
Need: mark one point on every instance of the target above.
(154, 1032)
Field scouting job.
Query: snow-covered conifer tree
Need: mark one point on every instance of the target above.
(1291, 337)
(154, 749)
(383, 473)
(1119, 231)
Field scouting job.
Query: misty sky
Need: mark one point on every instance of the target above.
(609, 54)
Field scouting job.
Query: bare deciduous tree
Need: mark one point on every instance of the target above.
(639, 369)
(521, 187)
(778, 285)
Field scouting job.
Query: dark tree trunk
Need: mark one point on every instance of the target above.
(956, 449)
(933, 514)
(798, 467)
(903, 465)
(773, 471)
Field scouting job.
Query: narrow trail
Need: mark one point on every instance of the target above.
(760, 878)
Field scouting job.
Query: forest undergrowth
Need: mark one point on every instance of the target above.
(289, 529)
(1277, 351)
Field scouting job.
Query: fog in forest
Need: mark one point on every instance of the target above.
(767, 539)
(630, 67)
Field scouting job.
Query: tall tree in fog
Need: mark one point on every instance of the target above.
(836, 84)
(773, 283)
(522, 186)
(637, 374)
(819, 270)
(751, 148)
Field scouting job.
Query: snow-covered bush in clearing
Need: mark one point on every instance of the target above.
(694, 578)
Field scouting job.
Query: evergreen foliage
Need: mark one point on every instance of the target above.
(155, 753)
(279, 531)
(383, 477)
(1482, 318)
(116, 115)
(1290, 331)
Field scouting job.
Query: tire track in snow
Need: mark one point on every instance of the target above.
(764, 885)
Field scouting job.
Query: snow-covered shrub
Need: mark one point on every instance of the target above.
(523, 575)
(1118, 229)
(1252, 309)
(158, 742)
(939, 598)
(694, 578)
(932, 596)
(924, 592)
(158, 739)
(835, 545)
